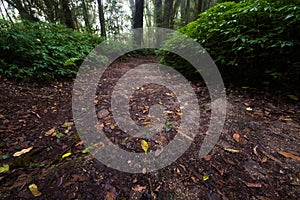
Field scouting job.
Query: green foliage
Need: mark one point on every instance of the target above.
(254, 41)
(42, 52)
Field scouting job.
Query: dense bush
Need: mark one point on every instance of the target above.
(42, 52)
(252, 42)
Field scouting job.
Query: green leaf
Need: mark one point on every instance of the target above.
(169, 127)
(148, 136)
(59, 135)
(293, 97)
(4, 168)
(87, 149)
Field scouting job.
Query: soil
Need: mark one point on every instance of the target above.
(256, 157)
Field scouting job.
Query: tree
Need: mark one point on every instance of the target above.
(86, 16)
(66, 14)
(24, 9)
(138, 20)
(101, 18)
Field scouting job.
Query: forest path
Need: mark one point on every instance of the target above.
(256, 157)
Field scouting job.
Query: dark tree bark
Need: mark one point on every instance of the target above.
(67, 14)
(158, 12)
(25, 14)
(86, 17)
(101, 18)
(167, 13)
(138, 20)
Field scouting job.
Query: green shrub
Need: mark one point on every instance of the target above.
(252, 42)
(39, 51)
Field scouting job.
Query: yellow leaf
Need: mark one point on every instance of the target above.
(66, 155)
(4, 168)
(231, 150)
(34, 190)
(22, 152)
(289, 155)
(205, 177)
(146, 123)
(144, 145)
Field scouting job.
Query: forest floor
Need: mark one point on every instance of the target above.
(256, 157)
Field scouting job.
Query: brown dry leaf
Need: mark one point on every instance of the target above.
(236, 136)
(67, 124)
(247, 104)
(23, 151)
(139, 188)
(51, 132)
(289, 155)
(207, 158)
(253, 185)
(232, 150)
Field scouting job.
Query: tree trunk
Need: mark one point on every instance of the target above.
(138, 20)
(25, 14)
(68, 19)
(158, 12)
(167, 13)
(101, 18)
(174, 12)
(86, 17)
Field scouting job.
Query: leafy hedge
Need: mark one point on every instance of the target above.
(252, 42)
(42, 52)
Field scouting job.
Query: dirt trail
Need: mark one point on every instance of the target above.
(257, 156)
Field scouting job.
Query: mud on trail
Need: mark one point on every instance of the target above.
(256, 157)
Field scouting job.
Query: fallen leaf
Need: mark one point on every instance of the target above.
(144, 170)
(87, 149)
(236, 136)
(232, 150)
(253, 185)
(139, 188)
(169, 127)
(59, 135)
(207, 158)
(249, 109)
(34, 190)
(144, 145)
(66, 155)
(4, 168)
(293, 97)
(289, 155)
(205, 177)
(247, 104)
(23, 151)
(146, 123)
(67, 124)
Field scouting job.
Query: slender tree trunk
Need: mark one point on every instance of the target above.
(68, 19)
(173, 14)
(6, 13)
(138, 20)
(132, 8)
(158, 12)
(25, 14)
(86, 17)
(101, 18)
(167, 13)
